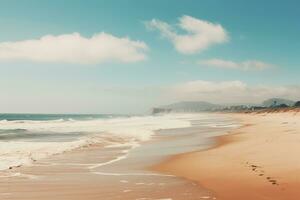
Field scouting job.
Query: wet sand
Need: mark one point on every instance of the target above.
(79, 174)
(259, 160)
(68, 176)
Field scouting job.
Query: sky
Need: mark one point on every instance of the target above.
(112, 56)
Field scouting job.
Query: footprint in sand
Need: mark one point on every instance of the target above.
(258, 169)
(273, 181)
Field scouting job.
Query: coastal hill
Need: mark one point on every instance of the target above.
(277, 102)
(202, 106)
(188, 106)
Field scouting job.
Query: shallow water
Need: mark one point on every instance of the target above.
(117, 171)
(27, 138)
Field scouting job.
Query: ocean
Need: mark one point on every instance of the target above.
(104, 156)
(25, 138)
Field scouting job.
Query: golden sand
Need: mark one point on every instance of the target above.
(258, 161)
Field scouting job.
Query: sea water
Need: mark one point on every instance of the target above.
(25, 138)
(114, 167)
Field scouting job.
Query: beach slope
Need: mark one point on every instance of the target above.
(259, 160)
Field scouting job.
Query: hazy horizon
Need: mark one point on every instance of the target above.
(117, 57)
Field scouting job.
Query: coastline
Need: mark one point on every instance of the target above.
(255, 161)
(116, 172)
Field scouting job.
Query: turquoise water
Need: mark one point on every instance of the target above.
(20, 133)
(45, 117)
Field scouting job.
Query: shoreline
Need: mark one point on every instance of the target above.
(252, 162)
(80, 173)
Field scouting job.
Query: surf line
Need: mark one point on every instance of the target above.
(125, 155)
(131, 174)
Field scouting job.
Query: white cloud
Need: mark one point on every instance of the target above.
(228, 64)
(74, 48)
(199, 34)
(230, 92)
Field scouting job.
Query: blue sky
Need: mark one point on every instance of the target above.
(260, 54)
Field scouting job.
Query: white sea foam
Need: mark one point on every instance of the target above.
(111, 132)
(222, 125)
(131, 174)
(123, 156)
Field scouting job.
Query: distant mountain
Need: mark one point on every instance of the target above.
(160, 110)
(191, 106)
(202, 106)
(277, 102)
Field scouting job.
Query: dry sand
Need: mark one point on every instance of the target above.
(258, 161)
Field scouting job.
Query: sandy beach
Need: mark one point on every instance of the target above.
(149, 100)
(256, 161)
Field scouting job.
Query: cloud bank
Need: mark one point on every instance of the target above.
(228, 64)
(199, 34)
(74, 48)
(230, 92)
